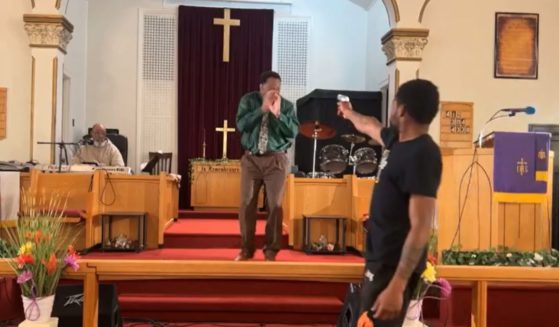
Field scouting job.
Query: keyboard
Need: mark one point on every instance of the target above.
(83, 169)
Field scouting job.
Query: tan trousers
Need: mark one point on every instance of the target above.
(271, 170)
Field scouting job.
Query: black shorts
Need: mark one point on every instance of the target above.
(375, 279)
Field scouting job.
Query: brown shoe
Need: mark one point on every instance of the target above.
(242, 257)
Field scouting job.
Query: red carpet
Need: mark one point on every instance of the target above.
(216, 214)
(211, 233)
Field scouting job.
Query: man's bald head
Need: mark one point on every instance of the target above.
(98, 133)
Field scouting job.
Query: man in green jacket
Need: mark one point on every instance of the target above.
(268, 125)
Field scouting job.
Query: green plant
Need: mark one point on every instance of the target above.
(7, 251)
(501, 257)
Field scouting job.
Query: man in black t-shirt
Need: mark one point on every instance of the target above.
(403, 204)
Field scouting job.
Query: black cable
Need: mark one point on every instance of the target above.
(102, 194)
(461, 208)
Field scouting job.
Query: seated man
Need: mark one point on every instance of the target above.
(102, 152)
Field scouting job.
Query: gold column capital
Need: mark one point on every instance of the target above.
(48, 31)
(405, 44)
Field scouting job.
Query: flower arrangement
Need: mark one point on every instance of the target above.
(44, 250)
(429, 280)
(428, 286)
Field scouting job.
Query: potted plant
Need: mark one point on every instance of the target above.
(42, 249)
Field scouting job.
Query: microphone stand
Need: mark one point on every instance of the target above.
(494, 117)
(62, 148)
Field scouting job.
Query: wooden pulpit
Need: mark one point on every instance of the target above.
(470, 217)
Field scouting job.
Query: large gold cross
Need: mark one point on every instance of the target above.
(224, 130)
(227, 22)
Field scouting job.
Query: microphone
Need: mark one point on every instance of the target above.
(86, 142)
(527, 110)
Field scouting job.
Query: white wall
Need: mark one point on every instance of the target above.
(15, 74)
(338, 54)
(75, 65)
(338, 43)
(377, 26)
(459, 59)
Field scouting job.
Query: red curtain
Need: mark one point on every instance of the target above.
(209, 89)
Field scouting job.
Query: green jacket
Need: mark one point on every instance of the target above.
(281, 130)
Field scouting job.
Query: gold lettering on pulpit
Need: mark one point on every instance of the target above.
(227, 22)
(224, 130)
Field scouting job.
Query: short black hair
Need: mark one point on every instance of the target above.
(420, 98)
(269, 74)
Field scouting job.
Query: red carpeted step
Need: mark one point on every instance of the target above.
(232, 303)
(218, 319)
(183, 214)
(239, 301)
(211, 233)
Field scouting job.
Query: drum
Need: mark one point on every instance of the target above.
(333, 159)
(365, 161)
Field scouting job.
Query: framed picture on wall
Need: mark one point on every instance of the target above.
(516, 45)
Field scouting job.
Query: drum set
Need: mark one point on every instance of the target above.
(334, 158)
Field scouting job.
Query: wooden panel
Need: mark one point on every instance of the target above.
(131, 193)
(456, 124)
(479, 304)
(484, 223)
(477, 213)
(314, 197)
(99, 192)
(76, 187)
(362, 190)
(3, 112)
(217, 185)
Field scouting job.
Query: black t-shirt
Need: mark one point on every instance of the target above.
(410, 167)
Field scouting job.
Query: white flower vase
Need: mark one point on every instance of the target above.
(413, 314)
(38, 310)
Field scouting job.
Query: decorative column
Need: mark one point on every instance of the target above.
(403, 48)
(49, 34)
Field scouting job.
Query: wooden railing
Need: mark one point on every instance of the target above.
(92, 271)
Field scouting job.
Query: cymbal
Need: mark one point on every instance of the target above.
(323, 131)
(352, 138)
(372, 142)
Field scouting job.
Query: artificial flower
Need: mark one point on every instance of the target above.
(24, 277)
(445, 288)
(429, 274)
(23, 259)
(38, 236)
(432, 259)
(26, 248)
(51, 264)
(538, 257)
(72, 261)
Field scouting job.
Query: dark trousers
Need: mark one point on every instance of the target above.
(376, 277)
(271, 170)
